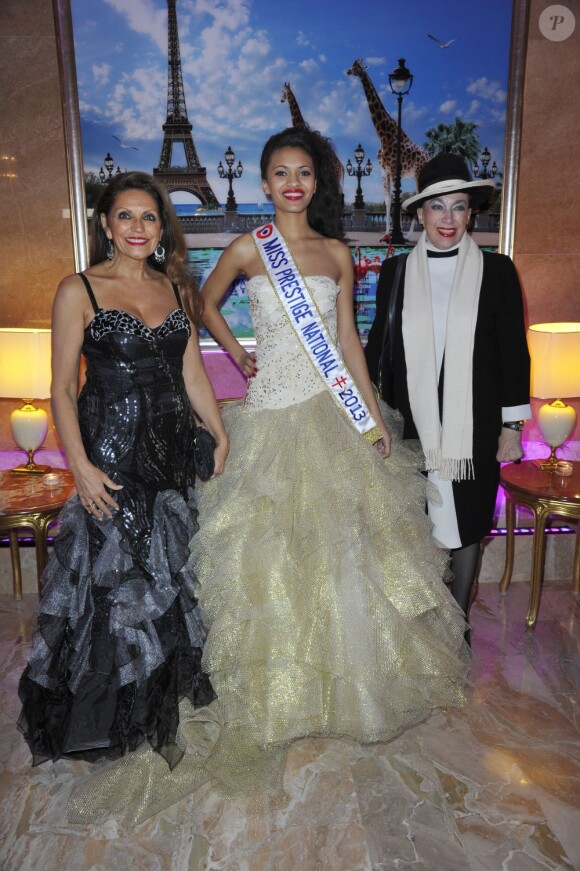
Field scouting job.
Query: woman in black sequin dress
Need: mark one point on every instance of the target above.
(119, 636)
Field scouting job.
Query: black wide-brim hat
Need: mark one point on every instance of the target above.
(448, 174)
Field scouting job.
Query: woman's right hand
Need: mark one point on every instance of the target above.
(383, 446)
(92, 484)
(247, 363)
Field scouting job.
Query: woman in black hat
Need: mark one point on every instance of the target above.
(448, 347)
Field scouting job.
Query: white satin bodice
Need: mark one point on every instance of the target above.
(285, 374)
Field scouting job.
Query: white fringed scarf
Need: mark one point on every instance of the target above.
(448, 446)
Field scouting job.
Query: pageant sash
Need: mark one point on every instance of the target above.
(308, 325)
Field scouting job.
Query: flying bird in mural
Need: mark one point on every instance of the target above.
(122, 144)
(439, 42)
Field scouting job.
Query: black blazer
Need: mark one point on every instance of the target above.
(501, 377)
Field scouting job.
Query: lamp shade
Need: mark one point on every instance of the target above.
(555, 352)
(24, 363)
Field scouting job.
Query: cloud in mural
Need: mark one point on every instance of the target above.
(236, 55)
(144, 16)
(413, 112)
(101, 73)
(487, 90)
(303, 40)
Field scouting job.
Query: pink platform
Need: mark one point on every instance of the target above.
(227, 380)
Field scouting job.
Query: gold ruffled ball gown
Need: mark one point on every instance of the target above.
(320, 587)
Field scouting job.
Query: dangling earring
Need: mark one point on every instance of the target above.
(159, 254)
(110, 249)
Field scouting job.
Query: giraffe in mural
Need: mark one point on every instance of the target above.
(295, 113)
(412, 156)
(298, 121)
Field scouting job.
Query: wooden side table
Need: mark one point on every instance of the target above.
(25, 503)
(544, 493)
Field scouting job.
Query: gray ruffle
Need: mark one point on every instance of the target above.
(142, 586)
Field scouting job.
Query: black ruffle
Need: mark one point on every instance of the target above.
(119, 635)
(118, 642)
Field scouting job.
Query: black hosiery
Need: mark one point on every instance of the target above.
(464, 561)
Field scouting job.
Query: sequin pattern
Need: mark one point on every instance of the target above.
(119, 634)
(118, 321)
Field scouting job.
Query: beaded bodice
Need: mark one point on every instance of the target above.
(121, 350)
(135, 417)
(285, 374)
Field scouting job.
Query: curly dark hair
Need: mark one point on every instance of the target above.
(325, 208)
(175, 264)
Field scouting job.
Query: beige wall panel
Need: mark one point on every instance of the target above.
(552, 284)
(547, 231)
(36, 240)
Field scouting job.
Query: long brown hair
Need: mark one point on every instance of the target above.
(175, 264)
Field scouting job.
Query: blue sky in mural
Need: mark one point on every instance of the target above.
(237, 54)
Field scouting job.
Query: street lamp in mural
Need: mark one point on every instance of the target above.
(230, 173)
(359, 172)
(109, 166)
(483, 172)
(400, 81)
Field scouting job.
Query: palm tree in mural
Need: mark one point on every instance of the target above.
(93, 188)
(495, 204)
(457, 138)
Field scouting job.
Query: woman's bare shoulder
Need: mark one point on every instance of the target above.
(243, 246)
(71, 286)
(340, 252)
(336, 243)
(241, 253)
(72, 307)
(336, 247)
(71, 299)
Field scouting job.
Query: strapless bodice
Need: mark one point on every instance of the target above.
(285, 374)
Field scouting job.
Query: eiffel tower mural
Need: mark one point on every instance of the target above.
(177, 128)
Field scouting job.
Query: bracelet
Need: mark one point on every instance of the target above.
(513, 424)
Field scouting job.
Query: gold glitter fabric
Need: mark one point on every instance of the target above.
(321, 590)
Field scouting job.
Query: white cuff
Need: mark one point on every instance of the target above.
(516, 412)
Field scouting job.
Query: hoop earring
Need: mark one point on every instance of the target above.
(159, 254)
(110, 249)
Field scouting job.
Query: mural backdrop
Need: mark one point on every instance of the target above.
(237, 55)
(252, 67)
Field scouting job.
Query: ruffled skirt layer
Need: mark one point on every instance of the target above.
(322, 593)
(119, 637)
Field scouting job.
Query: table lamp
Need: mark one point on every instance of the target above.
(25, 374)
(555, 353)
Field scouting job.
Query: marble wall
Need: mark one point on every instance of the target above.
(36, 239)
(546, 250)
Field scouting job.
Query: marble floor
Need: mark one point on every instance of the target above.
(496, 786)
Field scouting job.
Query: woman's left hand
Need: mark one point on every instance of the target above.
(220, 454)
(509, 447)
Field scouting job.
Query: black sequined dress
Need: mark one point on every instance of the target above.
(119, 635)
